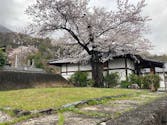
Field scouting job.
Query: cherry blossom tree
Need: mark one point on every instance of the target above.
(98, 32)
(22, 52)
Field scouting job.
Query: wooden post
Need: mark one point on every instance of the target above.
(66, 69)
(164, 78)
(126, 66)
(78, 66)
(108, 72)
(152, 70)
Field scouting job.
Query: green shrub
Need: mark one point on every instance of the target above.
(135, 79)
(151, 81)
(125, 84)
(79, 79)
(3, 58)
(38, 60)
(90, 83)
(111, 80)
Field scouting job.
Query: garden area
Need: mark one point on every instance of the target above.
(43, 98)
(112, 80)
(60, 105)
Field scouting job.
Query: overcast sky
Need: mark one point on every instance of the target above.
(12, 16)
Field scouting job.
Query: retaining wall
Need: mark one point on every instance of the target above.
(17, 80)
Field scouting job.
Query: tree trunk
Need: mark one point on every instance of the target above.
(97, 70)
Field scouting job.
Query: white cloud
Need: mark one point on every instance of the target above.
(12, 13)
(157, 11)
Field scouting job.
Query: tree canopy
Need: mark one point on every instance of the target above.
(116, 30)
(99, 32)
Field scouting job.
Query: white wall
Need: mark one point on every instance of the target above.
(114, 66)
(130, 64)
(117, 63)
(162, 82)
(63, 68)
(72, 67)
(120, 63)
(121, 72)
(85, 67)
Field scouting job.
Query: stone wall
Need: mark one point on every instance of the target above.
(19, 80)
(151, 114)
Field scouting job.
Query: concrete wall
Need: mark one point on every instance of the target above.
(19, 80)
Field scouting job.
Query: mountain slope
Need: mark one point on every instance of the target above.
(4, 29)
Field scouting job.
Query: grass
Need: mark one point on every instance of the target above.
(61, 119)
(140, 96)
(43, 98)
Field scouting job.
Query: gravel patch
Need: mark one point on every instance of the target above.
(4, 117)
(43, 120)
(69, 119)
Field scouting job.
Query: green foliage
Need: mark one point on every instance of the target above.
(100, 101)
(3, 58)
(135, 79)
(158, 57)
(38, 60)
(111, 80)
(150, 81)
(125, 84)
(90, 83)
(79, 79)
(43, 55)
(145, 82)
(61, 96)
(61, 118)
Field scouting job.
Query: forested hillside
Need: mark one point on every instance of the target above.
(159, 57)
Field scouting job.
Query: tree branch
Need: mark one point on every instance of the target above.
(77, 39)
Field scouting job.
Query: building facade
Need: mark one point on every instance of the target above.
(116, 65)
(122, 64)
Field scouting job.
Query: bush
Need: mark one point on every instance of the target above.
(38, 60)
(80, 79)
(151, 81)
(3, 58)
(111, 80)
(125, 84)
(135, 79)
(90, 83)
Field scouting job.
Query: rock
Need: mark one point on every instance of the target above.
(4, 117)
(47, 111)
(150, 114)
(24, 113)
(118, 86)
(17, 111)
(134, 86)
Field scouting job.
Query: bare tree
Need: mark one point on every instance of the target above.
(97, 31)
